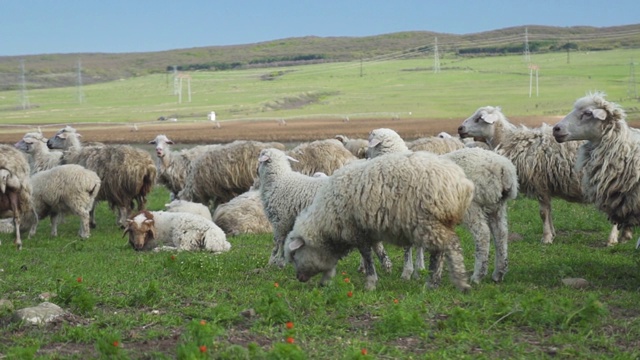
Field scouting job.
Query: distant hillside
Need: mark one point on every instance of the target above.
(56, 70)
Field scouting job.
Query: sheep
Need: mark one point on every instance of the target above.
(174, 230)
(357, 147)
(323, 156)
(127, 173)
(15, 188)
(495, 182)
(403, 198)
(172, 166)
(608, 157)
(436, 145)
(545, 167)
(65, 189)
(222, 173)
(188, 207)
(41, 158)
(244, 214)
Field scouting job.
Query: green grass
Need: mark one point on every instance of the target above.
(407, 88)
(169, 305)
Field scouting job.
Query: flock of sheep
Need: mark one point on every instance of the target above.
(324, 198)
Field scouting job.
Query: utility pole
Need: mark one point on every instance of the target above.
(436, 58)
(80, 92)
(24, 97)
(632, 91)
(360, 66)
(527, 54)
(175, 80)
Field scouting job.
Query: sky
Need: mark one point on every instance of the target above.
(30, 27)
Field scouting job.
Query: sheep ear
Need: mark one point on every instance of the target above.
(126, 230)
(340, 138)
(296, 244)
(169, 142)
(292, 159)
(374, 143)
(490, 118)
(263, 158)
(148, 221)
(152, 142)
(599, 114)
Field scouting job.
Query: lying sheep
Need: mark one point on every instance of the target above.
(222, 173)
(609, 159)
(495, 181)
(545, 167)
(358, 147)
(172, 166)
(41, 158)
(64, 189)
(15, 188)
(174, 230)
(403, 198)
(127, 173)
(244, 214)
(188, 207)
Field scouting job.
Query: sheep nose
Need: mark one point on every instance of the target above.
(461, 128)
(556, 129)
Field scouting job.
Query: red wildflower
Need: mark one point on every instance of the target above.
(395, 301)
(79, 279)
(290, 340)
(347, 280)
(116, 343)
(173, 257)
(276, 284)
(349, 294)
(203, 348)
(203, 322)
(344, 273)
(289, 325)
(363, 351)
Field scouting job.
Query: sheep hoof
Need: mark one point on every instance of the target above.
(406, 275)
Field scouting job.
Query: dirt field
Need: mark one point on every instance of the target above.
(293, 131)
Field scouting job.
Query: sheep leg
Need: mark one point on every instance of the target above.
(92, 215)
(548, 231)
(455, 260)
(613, 236)
(277, 254)
(476, 221)
(369, 268)
(500, 232)
(55, 220)
(407, 269)
(14, 201)
(327, 276)
(378, 248)
(84, 216)
(435, 268)
(627, 234)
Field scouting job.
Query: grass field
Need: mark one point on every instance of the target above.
(169, 305)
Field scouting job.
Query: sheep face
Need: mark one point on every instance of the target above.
(59, 141)
(587, 121)
(162, 145)
(481, 123)
(142, 231)
(309, 260)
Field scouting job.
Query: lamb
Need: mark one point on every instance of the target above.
(15, 188)
(495, 182)
(608, 158)
(404, 198)
(188, 207)
(174, 230)
(244, 214)
(126, 173)
(172, 166)
(64, 189)
(222, 173)
(41, 158)
(357, 147)
(545, 167)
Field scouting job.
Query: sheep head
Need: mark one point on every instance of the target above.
(309, 260)
(275, 156)
(481, 123)
(162, 143)
(384, 141)
(142, 231)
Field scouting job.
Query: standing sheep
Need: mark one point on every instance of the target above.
(609, 159)
(182, 231)
(545, 167)
(65, 189)
(358, 147)
(244, 214)
(127, 173)
(436, 145)
(41, 158)
(15, 188)
(495, 182)
(325, 156)
(404, 198)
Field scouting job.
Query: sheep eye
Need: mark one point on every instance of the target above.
(587, 114)
(478, 119)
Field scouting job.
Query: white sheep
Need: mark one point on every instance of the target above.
(358, 147)
(495, 181)
(545, 167)
(244, 214)
(174, 230)
(608, 159)
(436, 145)
(41, 158)
(15, 188)
(188, 207)
(127, 173)
(64, 189)
(172, 166)
(403, 198)
(325, 156)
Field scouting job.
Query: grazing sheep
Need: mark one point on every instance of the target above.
(172, 166)
(436, 145)
(545, 167)
(15, 188)
(403, 198)
(64, 189)
(358, 147)
(40, 157)
(495, 181)
(222, 173)
(188, 207)
(244, 214)
(324, 156)
(127, 173)
(182, 231)
(608, 159)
